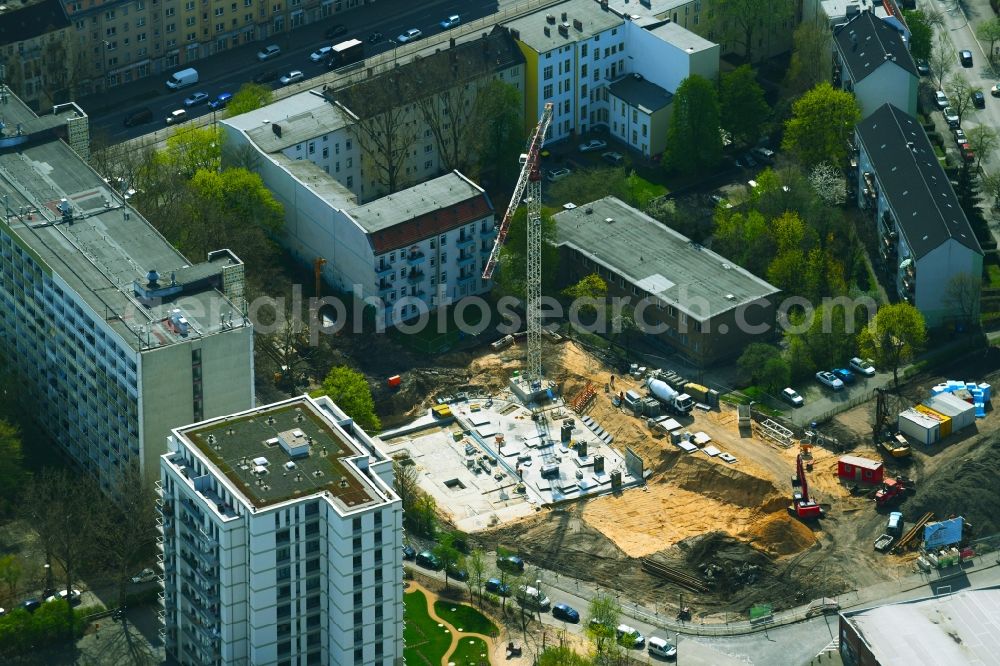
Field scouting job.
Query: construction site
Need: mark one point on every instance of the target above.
(663, 489)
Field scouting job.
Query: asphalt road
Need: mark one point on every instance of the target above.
(226, 72)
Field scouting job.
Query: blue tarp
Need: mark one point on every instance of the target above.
(944, 533)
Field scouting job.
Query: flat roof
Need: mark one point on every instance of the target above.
(414, 202)
(108, 247)
(593, 19)
(640, 93)
(657, 259)
(682, 38)
(298, 118)
(960, 628)
(923, 202)
(248, 449)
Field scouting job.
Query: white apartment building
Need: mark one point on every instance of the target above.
(114, 336)
(282, 541)
(872, 59)
(576, 50)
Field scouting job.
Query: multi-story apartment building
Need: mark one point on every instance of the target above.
(683, 295)
(70, 48)
(575, 51)
(925, 241)
(35, 49)
(871, 58)
(282, 541)
(114, 336)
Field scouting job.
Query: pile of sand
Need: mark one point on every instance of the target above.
(779, 534)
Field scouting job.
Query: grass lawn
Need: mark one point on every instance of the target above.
(441, 332)
(465, 618)
(470, 652)
(426, 642)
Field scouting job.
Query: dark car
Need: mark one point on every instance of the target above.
(266, 76)
(496, 587)
(31, 605)
(220, 101)
(510, 563)
(979, 99)
(140, 117)
(458, 574)
(844, 375)
(923, 68)
(429, 560)
(565, 612)
(335, 31)
(965, 56)
(409, 552)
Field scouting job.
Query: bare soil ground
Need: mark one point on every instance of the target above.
(728, 523)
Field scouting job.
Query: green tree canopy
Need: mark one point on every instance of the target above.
(987, 31)
(350, 390)
(921, 33)
(13, 475)
(821, 124)
(498, 115)
(743, 109)
(192, 149)
(513, 256)
(694, 142)
(812, 46)
(893, 336)
(249, 97)
(591, 286)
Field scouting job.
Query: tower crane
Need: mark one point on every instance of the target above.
(529, 186)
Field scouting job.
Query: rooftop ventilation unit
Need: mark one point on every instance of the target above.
(343, 482)
(550, 19)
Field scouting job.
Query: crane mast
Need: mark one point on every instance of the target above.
(529, 186)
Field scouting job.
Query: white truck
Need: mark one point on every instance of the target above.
(679, 402)
(183, 79)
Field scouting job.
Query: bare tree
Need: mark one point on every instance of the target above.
(991, 185)
(476, 562)
(983, 139)
(447, 111)
(126, 526)
(740, 20)
(812, 58)
(963, 292)
(386, 130)
(959, 92)
(829, 184)
(942, 59)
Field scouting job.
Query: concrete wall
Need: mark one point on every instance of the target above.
(935, 274)
(891, 84)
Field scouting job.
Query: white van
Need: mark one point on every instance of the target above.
(183, 79)
(658, 647)
(532, 598)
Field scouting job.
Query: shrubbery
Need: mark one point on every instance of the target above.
(54, 622)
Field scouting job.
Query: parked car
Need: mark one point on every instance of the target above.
(592, 145)
(979, 99)
(72, 596)
(457, 574)
(268, 52)
(968, 154)
(565, 612)
(965, 57)
(630, 637)
(409, 36)
(951, 116)
(409, 552)
(960, 135)
(291, 77)
(792, 397)
(140, 117)
(763, 153)
(510, 563)
(720, 200)
(941, 99)
(829, 379)
(428, 560)
(194, 99)
(31, 605)
(739, 162)
(450, 22)
(612, 157)
(557, 174)
(862, 367)
(145, 576)
(533, 598)
(335, 31)
(320, 54)
(221, 101)
(496, 587)
(844, 375)
(923, 68)
(175, 117)
(995, 90)
(659, 647)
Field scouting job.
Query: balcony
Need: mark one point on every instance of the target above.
(384, 288)
(466, 259)
(467, 278)
(465, 240)
(488, 230)
(415, 257)
(415, 275)
(382, 269)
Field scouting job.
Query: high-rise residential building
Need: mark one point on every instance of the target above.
(114, 336)
(282, 541)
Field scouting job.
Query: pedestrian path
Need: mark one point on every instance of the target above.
(457, 634)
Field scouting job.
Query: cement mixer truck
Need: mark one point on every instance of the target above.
(679, 402)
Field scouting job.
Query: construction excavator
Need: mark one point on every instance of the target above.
(803, 507)
(884, 436)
